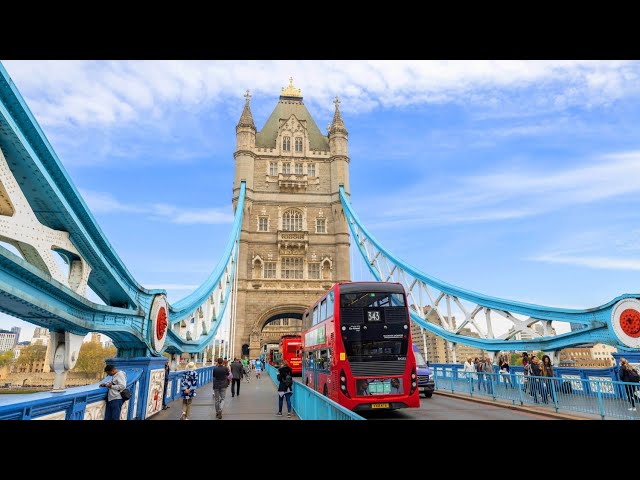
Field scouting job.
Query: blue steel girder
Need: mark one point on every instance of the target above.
(430, 302)
(28, 293)
(56, 201)
(33, 294)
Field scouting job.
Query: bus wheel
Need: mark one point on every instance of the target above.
(325, 390)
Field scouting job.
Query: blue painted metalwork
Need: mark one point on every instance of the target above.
(74, 401)
(31, 294)
(311, 405)
(597, 320)
(595, 392)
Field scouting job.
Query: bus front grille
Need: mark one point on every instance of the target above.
(377, 369)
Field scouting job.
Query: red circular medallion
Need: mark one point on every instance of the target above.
(161, 323)
(630, 322)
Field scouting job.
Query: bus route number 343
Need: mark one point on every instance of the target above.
(373, 316)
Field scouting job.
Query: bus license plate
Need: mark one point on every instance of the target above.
(379, 405)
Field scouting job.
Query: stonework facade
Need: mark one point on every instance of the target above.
(294, 243)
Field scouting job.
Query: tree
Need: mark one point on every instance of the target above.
(31, 354)
(516, 359)
(91, 359)
(6, 358)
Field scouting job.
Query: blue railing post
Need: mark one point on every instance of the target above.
(470, 381)
(520, 388)
(555, 393)
(599, 395)
(452, 387)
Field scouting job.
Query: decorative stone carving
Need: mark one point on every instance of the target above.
(97, 410)
(53, 416)
(156, 386)
(159, 321)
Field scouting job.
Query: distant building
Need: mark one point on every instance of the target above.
(95, 337)
(18, 347)
(16, 330)
(7, 340)
(582, 357)
(40, 336)
(437, 348)
(600, 351)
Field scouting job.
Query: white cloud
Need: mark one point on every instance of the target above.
(513, 194)
(171, 286)
(100, 202)
(608, 263)
(104, 93)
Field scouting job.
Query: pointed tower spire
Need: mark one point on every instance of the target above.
(246, 119)
(337, 126)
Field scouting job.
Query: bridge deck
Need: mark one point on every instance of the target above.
(258, 400)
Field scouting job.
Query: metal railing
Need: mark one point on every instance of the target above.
(311, 405)
(595, 396)
(88, 402)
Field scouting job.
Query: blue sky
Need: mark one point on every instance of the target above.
(517, 179)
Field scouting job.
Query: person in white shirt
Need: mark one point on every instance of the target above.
(469, 370)
(116, 384)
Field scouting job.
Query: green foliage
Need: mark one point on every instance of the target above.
(31, 354)
(516, 359)
(6, 358)
(91, 360)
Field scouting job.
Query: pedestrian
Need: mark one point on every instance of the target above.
(487, 369)
(166, 385)
(547, 371)
(220, 384)
(478, 365)
(258, 364)
(285, 387)
(468, 370)
(116, 384)
(505, 370)
(629, 375)
(237, 372)
(535, 374)
(188, 387)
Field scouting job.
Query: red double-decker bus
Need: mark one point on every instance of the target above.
(290, 350)
(356, 347)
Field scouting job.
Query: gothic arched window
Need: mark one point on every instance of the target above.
(286, 144)
(298, 144)
(292, 221)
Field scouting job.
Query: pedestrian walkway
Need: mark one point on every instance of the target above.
(258, 400)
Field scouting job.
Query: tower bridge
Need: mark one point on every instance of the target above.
(290, 241)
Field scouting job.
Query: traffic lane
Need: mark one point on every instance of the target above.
(440, 407)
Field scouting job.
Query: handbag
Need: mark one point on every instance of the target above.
(125, 394)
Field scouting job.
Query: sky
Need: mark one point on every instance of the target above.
(516, 179)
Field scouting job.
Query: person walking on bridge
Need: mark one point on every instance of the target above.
(220, 384)
(469, 370)
(237, 370)
(628, 374)
(285, 387)
(188, 386)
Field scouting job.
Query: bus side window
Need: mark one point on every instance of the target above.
(316, 314)
(323, 309)
(330, 307)
(323, 359)
(309, 360)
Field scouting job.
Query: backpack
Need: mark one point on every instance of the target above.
(633, 375)
(288, 381)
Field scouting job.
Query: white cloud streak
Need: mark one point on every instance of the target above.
(100, 202)
(105, 93)
(606, 263)
(515, 194)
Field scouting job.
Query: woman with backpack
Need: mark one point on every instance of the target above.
(630, 375)
(285, 387)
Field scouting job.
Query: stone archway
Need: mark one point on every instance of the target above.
(281, 311)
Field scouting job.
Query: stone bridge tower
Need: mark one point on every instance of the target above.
(294, 242)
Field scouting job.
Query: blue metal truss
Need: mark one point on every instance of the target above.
(33, 295)
(427, 295)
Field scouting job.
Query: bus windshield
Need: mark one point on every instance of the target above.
(371, 300)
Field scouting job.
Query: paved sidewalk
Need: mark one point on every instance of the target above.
(258, 400)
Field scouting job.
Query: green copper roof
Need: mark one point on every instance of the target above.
(286, 107)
